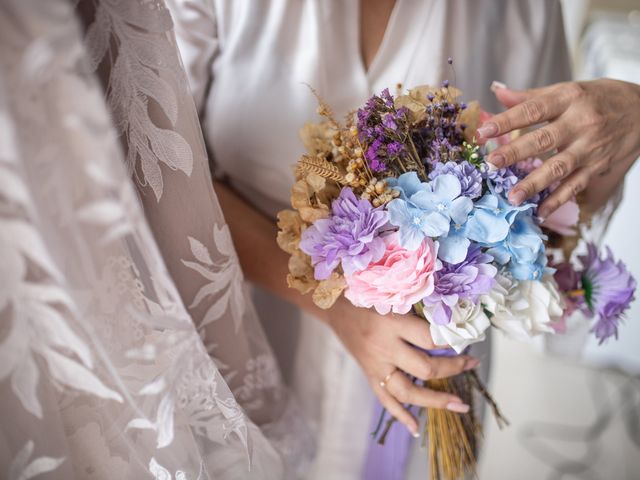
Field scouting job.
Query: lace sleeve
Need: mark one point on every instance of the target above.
(107, 291)
(197, 37)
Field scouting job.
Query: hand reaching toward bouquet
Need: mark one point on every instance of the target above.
(382, 345)
(591, 130)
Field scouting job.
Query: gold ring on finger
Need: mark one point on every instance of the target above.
(384, 382)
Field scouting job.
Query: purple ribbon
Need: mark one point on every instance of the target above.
(389, 461)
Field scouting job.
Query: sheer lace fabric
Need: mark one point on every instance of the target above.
(128, 348)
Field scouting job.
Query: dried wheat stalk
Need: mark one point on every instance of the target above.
(321, 167)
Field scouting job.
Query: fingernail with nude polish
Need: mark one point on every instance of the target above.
(496, 160)
(458, 407)
(517, 197)
(496, 85)
(488, 130)
(471, 363)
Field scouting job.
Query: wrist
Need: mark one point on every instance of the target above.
(333, 316)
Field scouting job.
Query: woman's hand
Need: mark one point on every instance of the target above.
(381, 345)
(593, 128)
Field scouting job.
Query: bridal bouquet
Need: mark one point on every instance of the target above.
(398, 210)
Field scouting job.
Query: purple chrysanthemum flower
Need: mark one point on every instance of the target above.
(351, 236)
(502, 179)
(608, 290)
(469, 176)
(469, 279)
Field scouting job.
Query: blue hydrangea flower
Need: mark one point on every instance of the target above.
(491, 219)
(442, 196)
(414, 224)
(427, 209)
(407, 184)
(530, 270)
(455, 244)
(522, 248)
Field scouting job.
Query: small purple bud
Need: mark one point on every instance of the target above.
(445, 84)
(450, 61)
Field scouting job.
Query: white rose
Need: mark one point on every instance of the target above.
(468, 324)
(524, 309)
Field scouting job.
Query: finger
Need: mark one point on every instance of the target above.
(569, 189)
(420, 365)
(395, 408)
(552, 170)
(533, 144)
(537, 109)
(416, 331)
(406, 391)
(508, 97)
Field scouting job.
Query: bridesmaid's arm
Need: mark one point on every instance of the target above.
(262, 260)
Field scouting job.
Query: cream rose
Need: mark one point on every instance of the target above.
(467, 326)
(524, 309)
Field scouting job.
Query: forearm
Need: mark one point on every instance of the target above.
(262, 261)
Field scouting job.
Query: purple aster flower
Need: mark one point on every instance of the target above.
(502, 179)
(469, 176)
(608, 290)
(469, 279)
(351, 236)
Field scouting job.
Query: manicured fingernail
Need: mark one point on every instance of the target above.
(458, 407)
(471, 363)
(542, 218)
(413, 430)
(496, 160)
(516, 197)
(415, 434)
(488, 130)
(496, 85)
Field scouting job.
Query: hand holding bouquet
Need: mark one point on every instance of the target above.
(398, 210)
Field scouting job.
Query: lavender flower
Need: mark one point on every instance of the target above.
(382, 127)
(469, 279)
(608, 290)
(440, 137)
(469, 176)
(351, 236)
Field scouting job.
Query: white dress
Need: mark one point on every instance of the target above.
(250, 63)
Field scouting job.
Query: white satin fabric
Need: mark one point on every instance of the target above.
(249, 64)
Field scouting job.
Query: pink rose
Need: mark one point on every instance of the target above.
(397, 281)
(564, 219)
